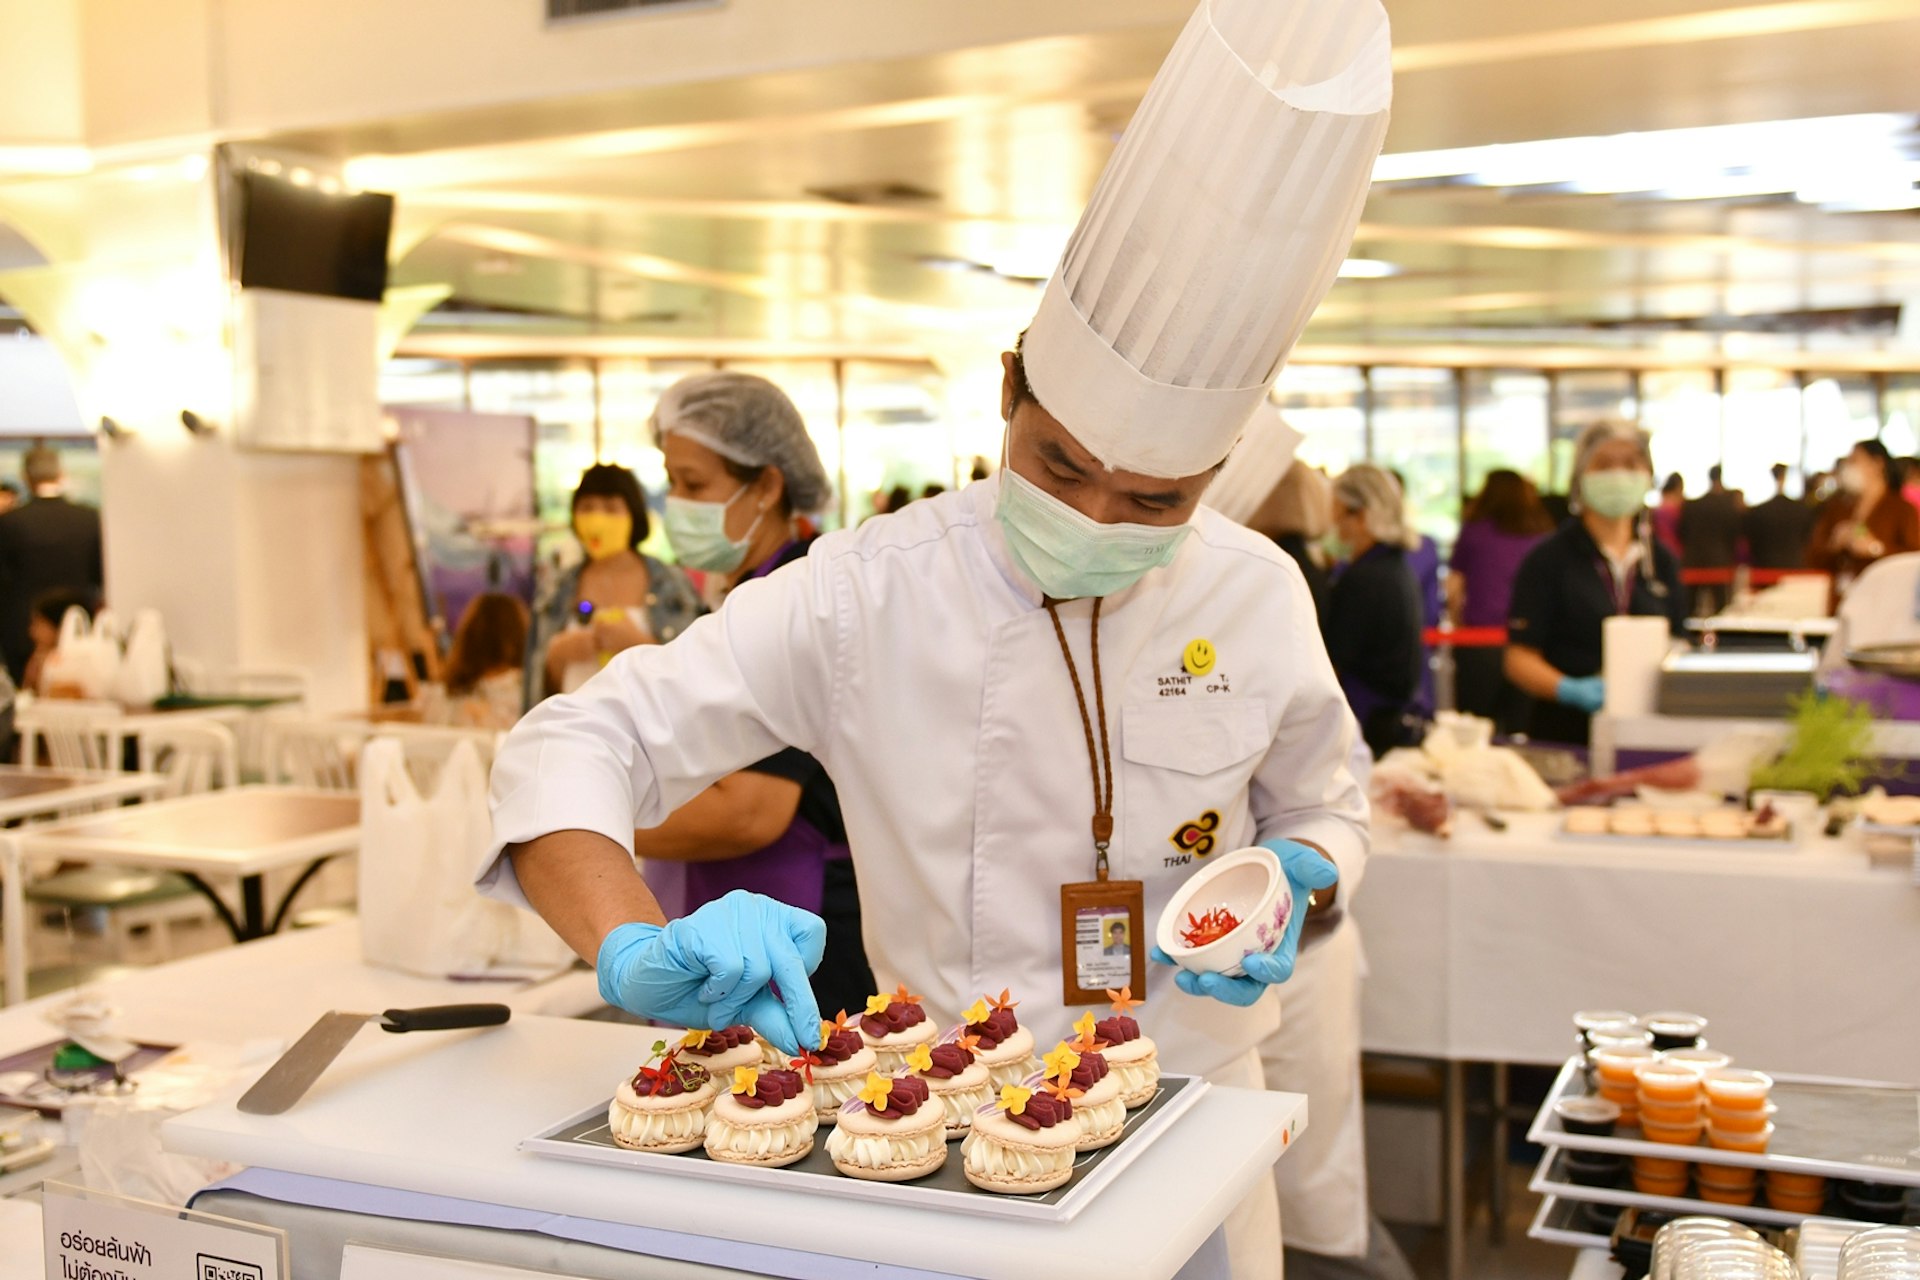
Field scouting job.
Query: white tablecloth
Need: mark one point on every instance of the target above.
(1481, 948)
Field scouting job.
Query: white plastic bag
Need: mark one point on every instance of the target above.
(419, 911)
(142, 679)
(85, 660)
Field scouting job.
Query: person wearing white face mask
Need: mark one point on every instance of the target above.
(1029, 692)
(1602, 562)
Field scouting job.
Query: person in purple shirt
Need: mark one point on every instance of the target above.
(1502, 525)
(741, 475)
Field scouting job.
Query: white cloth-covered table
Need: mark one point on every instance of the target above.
(1482, 947)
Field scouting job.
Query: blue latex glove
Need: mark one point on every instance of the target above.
(1306, 870)
(1586, 693)
(744, 958)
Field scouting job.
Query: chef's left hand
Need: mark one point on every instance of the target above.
(1307, 870)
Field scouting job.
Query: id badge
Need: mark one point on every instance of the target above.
(1103, 945)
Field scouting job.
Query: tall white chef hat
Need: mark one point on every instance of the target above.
(1216, 229)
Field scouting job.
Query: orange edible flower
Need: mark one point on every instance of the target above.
(1006, 1000)
(1123, 1001)
(905, 996)
(1088, 1042)
(1063, 1089)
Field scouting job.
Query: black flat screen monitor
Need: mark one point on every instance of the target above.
(303, 240)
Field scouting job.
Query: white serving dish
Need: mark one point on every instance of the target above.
(1249, 883)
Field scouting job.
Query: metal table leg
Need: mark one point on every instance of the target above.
(1497, 1159)
(1453, 1150)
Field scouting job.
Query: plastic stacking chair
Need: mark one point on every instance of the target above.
(77, 735)
(194, 756)
(304, 752)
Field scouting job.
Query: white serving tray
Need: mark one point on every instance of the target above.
(1546, 1181)
(583, 1137)
(1900, 1163)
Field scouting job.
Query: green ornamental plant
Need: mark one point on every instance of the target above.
(1829, 748)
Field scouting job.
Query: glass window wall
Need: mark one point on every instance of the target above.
(558, 395)
(1762, 412)
(1681, 410)
(898, 436)
(1582, 397)
(1328, 405)
(1900, 405)
(1416, 432)
(1506, 425)
(1837, 413)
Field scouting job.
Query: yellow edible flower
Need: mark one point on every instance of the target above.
(1085, 1027)
(1061, 1060)
(694, 1039)
(877, 1005)
(826, 1032)
(921, 1059)
(746, 1079)
(874, 1092)
(1013, 1099)
(976, 1013)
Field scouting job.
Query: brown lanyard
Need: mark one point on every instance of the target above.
(1099, 758)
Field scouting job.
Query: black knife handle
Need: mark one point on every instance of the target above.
(445, 1017)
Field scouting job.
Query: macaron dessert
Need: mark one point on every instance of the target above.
(834, 1070)
(663, 1107)
(1022, 1144)
(893, 1026)
(892, 1132)
(958, 1080)
(764, 1118)
(723, 1050)
(1134, 1058)
(1099, 1109)
(1005, 1047)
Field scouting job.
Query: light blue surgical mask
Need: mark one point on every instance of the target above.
(698, 532)
(1071, 555)
(1614, 494)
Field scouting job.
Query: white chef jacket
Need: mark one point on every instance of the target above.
(915, 662)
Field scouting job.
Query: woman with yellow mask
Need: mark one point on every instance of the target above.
(615, 599)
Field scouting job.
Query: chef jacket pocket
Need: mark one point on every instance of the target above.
(1183, 790)
(1197, 738)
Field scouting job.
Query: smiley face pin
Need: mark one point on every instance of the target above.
(1199, 657)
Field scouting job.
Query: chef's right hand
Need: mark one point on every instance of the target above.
(1585, 693)
(744, 958)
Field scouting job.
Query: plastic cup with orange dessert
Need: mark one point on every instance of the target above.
(1701, 1060)
(1796, 1192)
(1725, 1175)
(1669, 1083)
(1620, 1063)
(1752, 1143)
(1670, 1113)
(1661, 1167)
(1680, 1135)
(1728, 1195)
(1735, 1089)
(1648, 1184)
(1741, 1121)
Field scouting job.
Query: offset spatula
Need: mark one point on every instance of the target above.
(288, 1080)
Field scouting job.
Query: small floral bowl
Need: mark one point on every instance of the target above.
(1248, 883)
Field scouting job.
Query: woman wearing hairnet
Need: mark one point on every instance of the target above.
(741, 471)
(1601, 563)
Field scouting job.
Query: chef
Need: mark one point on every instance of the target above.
(1054, 692)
